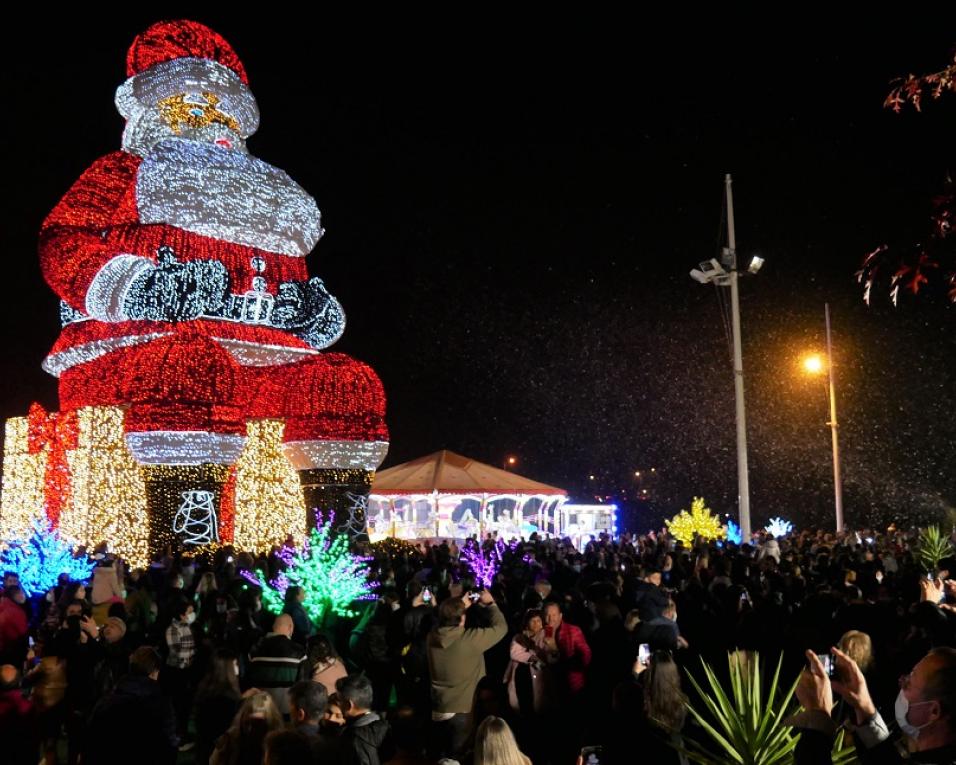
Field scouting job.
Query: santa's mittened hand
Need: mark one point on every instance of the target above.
(309, 311)
(175, 291)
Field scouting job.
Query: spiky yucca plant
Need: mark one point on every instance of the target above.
(933, 546)
(746, 725)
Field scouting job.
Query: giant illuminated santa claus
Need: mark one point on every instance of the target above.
(180, 263)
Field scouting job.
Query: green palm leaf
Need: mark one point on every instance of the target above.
(743, 721)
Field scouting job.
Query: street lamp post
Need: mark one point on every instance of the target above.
(813, 365)
(714, 272)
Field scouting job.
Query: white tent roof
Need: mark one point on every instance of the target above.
(450, 473)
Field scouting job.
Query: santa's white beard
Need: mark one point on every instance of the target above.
(226, 194)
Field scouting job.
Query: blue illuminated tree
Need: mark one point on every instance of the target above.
(733, 532)
(39, 560)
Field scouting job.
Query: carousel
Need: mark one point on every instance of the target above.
(448, 496)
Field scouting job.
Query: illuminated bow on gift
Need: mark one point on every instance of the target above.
(56, 433)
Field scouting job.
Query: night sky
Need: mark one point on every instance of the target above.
(512, 208)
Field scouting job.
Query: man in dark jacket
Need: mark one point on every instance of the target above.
(277, 662)
(649, 598)
(662, 632)
(368, 733)
(135, 721)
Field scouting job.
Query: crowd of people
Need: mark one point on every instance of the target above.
(569, 656)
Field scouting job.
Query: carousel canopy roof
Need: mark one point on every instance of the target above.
(450, 473)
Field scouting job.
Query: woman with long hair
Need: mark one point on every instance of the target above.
(57, 613)
(205, 597)
(664, 701)
(243, 743)
(495, 744)
(649, 708)
(325, 664)
(216, 703)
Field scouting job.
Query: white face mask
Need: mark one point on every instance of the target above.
(236, 667)
(190, 618)
(901, 710)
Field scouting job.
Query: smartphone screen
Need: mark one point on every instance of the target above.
(827, 661)
(644, 653)
(426, 596)
(592, 755)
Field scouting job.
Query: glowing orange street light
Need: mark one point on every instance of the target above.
(815, 364)
(510, 462)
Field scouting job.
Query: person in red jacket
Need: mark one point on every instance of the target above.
(13, 627)
(573, 650)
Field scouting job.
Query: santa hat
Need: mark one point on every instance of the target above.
(173, 57)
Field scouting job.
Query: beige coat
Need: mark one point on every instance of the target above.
(456, 660)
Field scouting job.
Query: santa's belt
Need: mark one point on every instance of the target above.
(251, 308)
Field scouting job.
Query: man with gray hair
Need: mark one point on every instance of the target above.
(276, 663)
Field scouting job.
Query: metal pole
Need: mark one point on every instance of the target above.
(743, 478)
(837, 480)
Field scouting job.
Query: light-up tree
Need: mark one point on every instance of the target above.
(39, 560)
(332, 577)
(484, 564)
(733, 532)
(700, 521)
(779, 527)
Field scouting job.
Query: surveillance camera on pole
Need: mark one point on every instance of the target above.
(724, 273)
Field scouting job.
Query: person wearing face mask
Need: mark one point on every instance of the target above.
(924, 711)
(177, 674)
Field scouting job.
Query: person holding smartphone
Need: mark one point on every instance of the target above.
(456, 661)
(922, 710)
(649, 707)
(412, 686)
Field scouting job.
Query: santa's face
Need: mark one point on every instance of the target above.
(194, 116)
(200, 117)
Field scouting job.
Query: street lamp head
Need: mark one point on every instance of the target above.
(756, 263)
(512, 460)
(708, 271)
(813, 364)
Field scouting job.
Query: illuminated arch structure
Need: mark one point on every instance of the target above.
(445, 495)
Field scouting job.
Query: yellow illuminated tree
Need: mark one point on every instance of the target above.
(700, 521)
